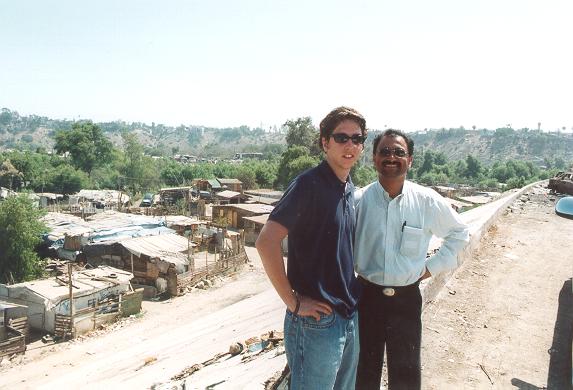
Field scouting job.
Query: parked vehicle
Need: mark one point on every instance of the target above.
(147, 200)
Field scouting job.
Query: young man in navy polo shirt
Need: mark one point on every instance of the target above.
(320, 289)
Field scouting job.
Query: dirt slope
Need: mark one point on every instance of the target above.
(504, 320)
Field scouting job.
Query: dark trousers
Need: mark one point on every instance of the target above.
(392, 323)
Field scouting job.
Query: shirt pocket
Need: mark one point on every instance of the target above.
(411, 241)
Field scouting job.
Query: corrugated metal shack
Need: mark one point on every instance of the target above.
(144, 246)
(70, 235)
(181, 223)
(97, 295)
(232, 197)
(233, 214)
(158, 260)
(231, 184)
(253, 226)
(87, 202)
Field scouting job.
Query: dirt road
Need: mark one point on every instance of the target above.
(505, 320)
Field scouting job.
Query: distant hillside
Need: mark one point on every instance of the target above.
(31, 132)
(500, 144)
(489, 146)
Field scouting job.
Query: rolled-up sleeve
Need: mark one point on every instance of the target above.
(455, 233)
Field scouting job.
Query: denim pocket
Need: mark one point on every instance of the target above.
(325, 322)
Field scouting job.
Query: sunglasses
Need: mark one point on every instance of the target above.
(341, 138)
(387, 152)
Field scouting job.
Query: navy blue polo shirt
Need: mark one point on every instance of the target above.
(317, 209)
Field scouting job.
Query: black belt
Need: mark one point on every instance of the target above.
(389, 291)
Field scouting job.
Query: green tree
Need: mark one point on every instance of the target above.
(299, 165)
(559, 163)
(5, 117)
(20, 230)
(132, 168)
(171, 174)
(363, 175)
(106, 177)
(265, 173)
(428, 163)
(515, 182)
(474, 167)
(87, 145)
(440, 158)
(434, 178)
(248, 177)
(288, 169)
(32, 166)
(301, 132)
(489, 184)
(65, 179)
(7, 174)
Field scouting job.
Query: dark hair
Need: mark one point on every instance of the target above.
(394, 133)
(333, 119)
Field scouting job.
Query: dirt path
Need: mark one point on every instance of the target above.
(504, 321)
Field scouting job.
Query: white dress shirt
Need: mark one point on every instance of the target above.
(393, 235)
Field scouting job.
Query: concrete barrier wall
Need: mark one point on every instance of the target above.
(479, 220)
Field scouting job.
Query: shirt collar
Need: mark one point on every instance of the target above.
(331, 177)
(382, 192)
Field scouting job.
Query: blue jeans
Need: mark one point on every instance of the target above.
(322, 354)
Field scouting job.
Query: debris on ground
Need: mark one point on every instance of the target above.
(249, 349)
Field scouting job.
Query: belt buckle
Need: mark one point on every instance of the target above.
(389, 291)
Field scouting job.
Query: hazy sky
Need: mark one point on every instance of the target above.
(408, 64)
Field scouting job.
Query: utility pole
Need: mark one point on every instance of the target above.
(71, 299)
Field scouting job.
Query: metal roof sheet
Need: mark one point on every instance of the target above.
(228, 194)
(258, 219)
(157, 246)
(84, 282)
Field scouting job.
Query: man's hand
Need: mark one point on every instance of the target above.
(426, 275)
(312, 308)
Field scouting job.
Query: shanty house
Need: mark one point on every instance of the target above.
(253, 227)
(232, 214)
(226, 197)
(97, 201)
(154, 261)
(209, 185)
(231, 184)
(49, 200)
(70, 235)
(159, 259)
(92, 291)
(181, 223)
(170, 196)
(265, 196)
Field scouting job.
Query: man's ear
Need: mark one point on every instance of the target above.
(324, 143)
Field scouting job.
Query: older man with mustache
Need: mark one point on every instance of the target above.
(395, 222)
